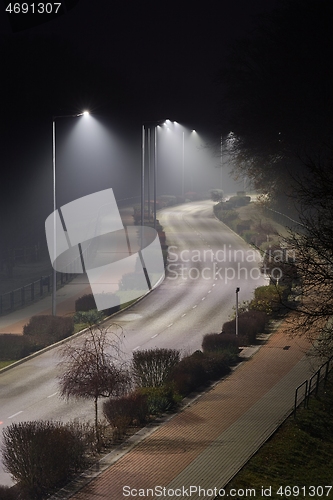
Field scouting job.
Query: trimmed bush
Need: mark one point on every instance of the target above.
(42, 455)
(249, 324)
(85, 303)
(132, 409)
(258, 317)
(160, 399)
(243, 226)
(189, 374)
(216, 194)
(90, 318)
(216, 364)
(220, 342)
(269, 298)
(239, 201)
(45, 330)
(250, 236)
(225, 213)
(13, 347)
(151, 367)
(133, 281)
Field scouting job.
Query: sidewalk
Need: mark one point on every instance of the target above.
(210, 440)
(66, 296)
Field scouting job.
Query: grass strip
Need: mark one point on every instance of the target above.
(297, 461)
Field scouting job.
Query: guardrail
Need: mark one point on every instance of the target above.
(312, 385)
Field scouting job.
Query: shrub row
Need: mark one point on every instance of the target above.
(40, 332)
(45, 330)
(14, 347)
(218, 342)
(270, 298)
(250, 323)
(87, 303)
(162, 379)
(197, 370)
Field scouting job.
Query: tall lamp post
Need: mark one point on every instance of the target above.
(237, 291)
(149, 126)
(54, 280)
(221, 184)
(183, 170)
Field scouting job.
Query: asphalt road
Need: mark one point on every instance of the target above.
(207, 262)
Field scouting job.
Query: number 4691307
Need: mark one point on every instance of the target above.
(32, 8)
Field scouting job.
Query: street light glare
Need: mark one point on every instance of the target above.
(85, 113)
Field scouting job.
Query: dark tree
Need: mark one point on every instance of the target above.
(312, 246)
(276, 93)
(92, 368)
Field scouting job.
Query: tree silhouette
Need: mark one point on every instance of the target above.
(276, 92)
(312, 246)
(92, 367)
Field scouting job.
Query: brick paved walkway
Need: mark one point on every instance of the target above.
(209, 441)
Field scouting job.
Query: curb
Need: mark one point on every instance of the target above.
(75, 335)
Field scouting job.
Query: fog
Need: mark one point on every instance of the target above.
(94, 153)
(187, 162)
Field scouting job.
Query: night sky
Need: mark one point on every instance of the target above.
(127, 62)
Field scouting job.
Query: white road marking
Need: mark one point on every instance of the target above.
(203, 298)
(15, 414)
(183, 315)
(194, 307)
(154, 336)
(135, 348)
(169, 325)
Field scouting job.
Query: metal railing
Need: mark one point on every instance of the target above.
(308, 387)
(27, 294)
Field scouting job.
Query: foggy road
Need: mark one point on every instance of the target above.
(207, 261)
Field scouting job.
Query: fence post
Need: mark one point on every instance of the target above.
(305, 395)
(327, 369)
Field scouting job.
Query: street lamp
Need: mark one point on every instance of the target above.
(183, 158)
(149, 126)
(221, 165)
(54, 281)
(183, 173)
(237, 291)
